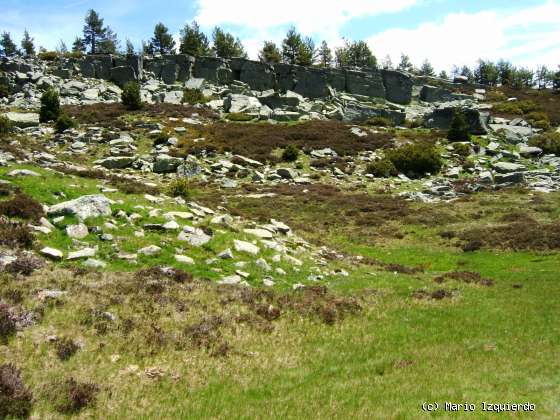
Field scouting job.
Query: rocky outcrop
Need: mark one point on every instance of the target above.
(398, 86)
(441, 118)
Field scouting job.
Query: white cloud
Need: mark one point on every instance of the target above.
(526, 37)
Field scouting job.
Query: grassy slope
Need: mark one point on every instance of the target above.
(494, 344)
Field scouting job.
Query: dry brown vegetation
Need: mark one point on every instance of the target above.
(547, 102)
(257, 141)
(109, 115)
(16, 399)
(22, 206)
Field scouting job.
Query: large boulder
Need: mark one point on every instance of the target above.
(310, 82)
(356, 112)
(285, 77)
(23, 119)
(274, 100)
(166, 164)
(83, 207)
(213, 69)
(122, 75)
(365, 83)
(259, 76)
(437, 94)
(241, 103)
(441, 118)
(98, 66)
(398, 86)
(116, 162)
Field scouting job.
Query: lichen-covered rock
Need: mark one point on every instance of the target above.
(83, 207)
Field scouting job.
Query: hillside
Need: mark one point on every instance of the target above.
(230, 251)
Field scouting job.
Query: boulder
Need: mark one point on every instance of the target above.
(275, 100)
(23, 119)
(116, 162)
(507, 167)
(122, 75)
(213, 69)
(356, 112)
(83, 207)
(441, 118)
(365, 83)
(398, 86)
(310, 82)
(510, 178)
(242, 246)
(241, 103)
(166, 164)
(97, 65)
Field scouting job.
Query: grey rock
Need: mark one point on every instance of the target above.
(116, 162)
(506, 167)
(23, 119)
(78, 231)
(83, 207)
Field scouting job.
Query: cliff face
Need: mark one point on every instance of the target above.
(312, 83)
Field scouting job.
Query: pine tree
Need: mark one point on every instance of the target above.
(193, 41)
(27, 44)
(129, 47)
(78, 45)
(226, 46)
(405, 64)
(306, 52)
(94, 32)
(291, 46)
(505, 72)
(387, 63)
(8, 47)
(443, 75)
(459, 130)
(109, 44)
(360, 55)
(162, 41)
(270, 53)
(325, 55)
(427, 69)
(62, 48)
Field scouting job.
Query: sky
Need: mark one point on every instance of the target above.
(446, 32)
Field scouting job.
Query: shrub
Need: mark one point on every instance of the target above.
(130, 96)
(459, 130)
(179, 188)
(72, 396)
(16, 399)
(4, 90)
(548, 142)
(383, 168)
(16, 235)
(48, 55)
(462, 149)
(24, 265)
(50, 106)
(290, 153)
(239, 117)
(161, 139)
(517, 107)
(416, 159)
(380, 122)
(7, 324)
(538, 119)
(496, 96)
(64, 122)
(6, 126)
(194, 96)
(66, 348)
(22, 206)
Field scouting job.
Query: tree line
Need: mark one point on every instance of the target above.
(98, 38)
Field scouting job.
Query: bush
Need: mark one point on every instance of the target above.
(6, 126)
(290, 153)
(416, 159)
(4, 90)
(130, 96)
(72, 396)
(22, 206)
(239, 117)
(517, 107)
(48, 55)
(50, 106)
(65, 348)
(179, 188)
(380, 122)
(16, 235)
(16, 399)
(538, 119)
(383, 168)
(462, 149)
(161, 139)
(194, 96)
(548, 142)
(7, 324)
(496, 96)
(64, 122)
(459, 130)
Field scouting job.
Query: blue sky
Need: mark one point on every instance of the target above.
(446, 32)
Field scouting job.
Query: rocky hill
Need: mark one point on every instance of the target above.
(271, 232)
